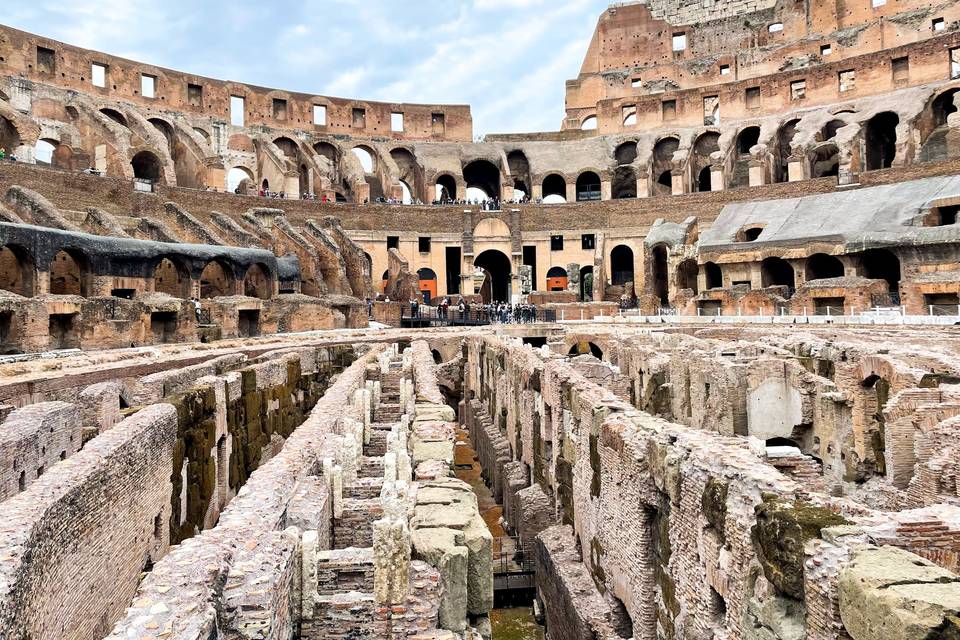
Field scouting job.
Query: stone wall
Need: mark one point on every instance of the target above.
(75, 542)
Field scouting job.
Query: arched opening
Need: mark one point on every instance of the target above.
(16, 271)
(43, 151)
(446, 188)
(367, 159)
(410, 174)
(881, 140)
(621, 265)
(589, 124)
(943, 106)
(484, 176)
(821, 266)
(164, 128)
(714, 275)
(437, 358)
(146, 166)
(171, 279)
(586, 283)
(626, 153)
(68, 274)
(115, 115)
(706, 144)
(257, 283)
(428, 284)
(687, 272)
(624, 183)
(216, 281)
(265, 185)
(9, 136)
(557, 279)
(288, 147)
(497, 271)
(406, 196)
(784, 149)
(830, 129)
(750, 234)
(661, 285)
(777, 272)
(746, 140)
(554, 188)
(588, 187)
(933, 127)
(875, 392)
(662, 165)
(881, 264)
(585, 348)
(520, 171)
(240, 180)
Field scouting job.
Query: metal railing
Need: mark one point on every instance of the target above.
(434, 316)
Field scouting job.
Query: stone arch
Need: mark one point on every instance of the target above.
(880, 140)
(172, 278)
(707, 143)
(288, 147)
(829, 130)
(367, 157)
(446, 187)
(483, 175)
(821, 266)
(588, 187)
(881, 264)
(241, 180)
(687, 273)
(590, 123)
(257, 282)
(17, 271)
(557, 279)
(747, 139)
(776, 271)
(410, 171)
(497, 268)
(555, 186)
(115, 115)
(216, 280)
(621, 265)
(147, 166)
(661, 166)
(520, 170)
(69, 273)
(584, 348)
(784, 148)
(9, 136)
(825, 161)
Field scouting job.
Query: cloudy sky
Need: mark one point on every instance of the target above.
(508, 59)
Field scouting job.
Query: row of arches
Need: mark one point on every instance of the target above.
(70, 274)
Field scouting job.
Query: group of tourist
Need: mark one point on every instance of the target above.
(4, 156)
(495, 313)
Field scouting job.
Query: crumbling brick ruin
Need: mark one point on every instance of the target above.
(735, 415)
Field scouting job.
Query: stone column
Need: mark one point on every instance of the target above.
(716, 178)
(758, 173)
(572, 191)
(643, 185)
(676, 177)
(606, 190)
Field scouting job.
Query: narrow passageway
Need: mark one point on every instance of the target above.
(513, 623)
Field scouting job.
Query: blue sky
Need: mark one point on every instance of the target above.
(508, 59)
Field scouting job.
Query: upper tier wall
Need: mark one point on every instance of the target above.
(633, 63)
(23, 54)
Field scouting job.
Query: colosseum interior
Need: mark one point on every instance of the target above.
(686, 368)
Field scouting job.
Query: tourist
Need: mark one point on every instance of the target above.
(3, 153)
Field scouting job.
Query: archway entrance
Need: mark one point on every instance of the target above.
(881, 140)
(483, 175)
(557, 279)
(880, 264)
(621, 265)
(428, 284)
(687, 272)
(586, 284)
(216, 281)
(777, 272)
(256, 283)
(661, 286)
(821, 266)
(588, 187)
(168, 278)
(67, 275)
(446, 188)
(497, 270)
(554, 189)
(146, 166)
(16, 271)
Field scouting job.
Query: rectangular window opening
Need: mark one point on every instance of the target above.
(279, 109)
(195, 95)
(636, 82)
(556, 243)
(724, 69)
(679, 41)
(588, 242)
(798, 89)
(711, 110)
(955, 62)
(319, 115)
(237, 110)
(848, 80)
(396, 122)
(148, 86)
(901, 69)
(878, 3)
(939, 24)
(393, 242)
(98, 75)
(438, 122)
(424, 245)
(530, 260)
(46, 60)
(669, 110)
(826, 49)
(359, 118)
(752, 97)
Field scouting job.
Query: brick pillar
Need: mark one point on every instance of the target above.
(606, 190)
(571, 192)
(716, 178)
